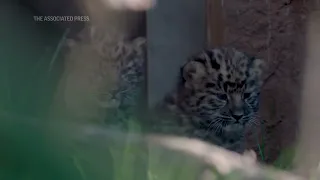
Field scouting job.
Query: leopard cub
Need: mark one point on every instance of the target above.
(217, 98)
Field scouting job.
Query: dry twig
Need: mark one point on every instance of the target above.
(224, 161)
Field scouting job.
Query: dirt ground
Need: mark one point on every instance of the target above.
(275, 31)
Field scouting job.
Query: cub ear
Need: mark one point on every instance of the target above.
(193, 71)
(259, 67)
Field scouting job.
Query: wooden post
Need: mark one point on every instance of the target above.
(215, 23)
(308, 156)
(175, 29)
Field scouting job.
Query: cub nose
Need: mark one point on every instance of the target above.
(237, 117)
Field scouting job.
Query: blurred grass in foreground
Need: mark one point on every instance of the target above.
(29, 151)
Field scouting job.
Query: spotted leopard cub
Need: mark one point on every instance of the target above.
(218, 96)
(122, 99)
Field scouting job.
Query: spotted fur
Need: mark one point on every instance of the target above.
(218, 96)
(123, 98)
(131, 71)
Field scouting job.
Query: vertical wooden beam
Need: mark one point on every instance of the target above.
(176, 29)
(307, 156)
(215, 23)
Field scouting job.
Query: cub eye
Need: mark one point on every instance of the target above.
(246, 95)
(210, 85)
(222, 96)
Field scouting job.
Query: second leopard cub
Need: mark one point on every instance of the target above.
(217, 98)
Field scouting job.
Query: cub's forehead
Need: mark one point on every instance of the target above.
(231, 59)
(232, 64)
(227, 55)
(236, 68)
(222, 65)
